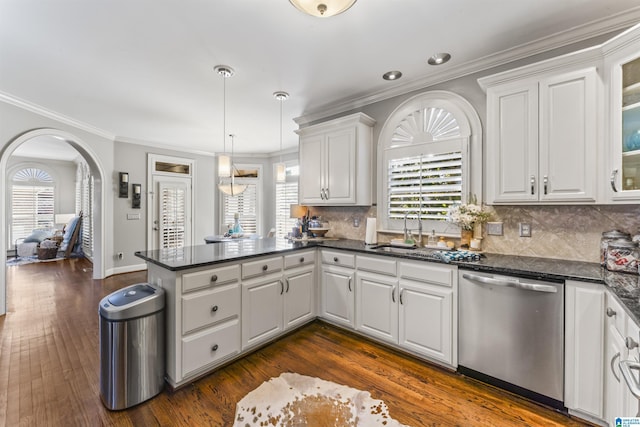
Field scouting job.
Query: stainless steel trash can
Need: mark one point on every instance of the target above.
(132, 345)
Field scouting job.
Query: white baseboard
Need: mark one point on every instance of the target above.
(125, 269)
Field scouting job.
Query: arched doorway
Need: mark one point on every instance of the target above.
(99, 175)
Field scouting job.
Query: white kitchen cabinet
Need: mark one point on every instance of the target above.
(276, 299)
(377, 305)
(584, 344)
(542, 128)
(336, 160)
(619, 401)
(622, 59)
(262, 308)
(337, 297)
(202, 310)
(428, 311)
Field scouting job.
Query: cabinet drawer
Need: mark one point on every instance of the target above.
(299, 259)
(200, 309)
(338, 258)
(214, 276)
(262, 266)
(616, 315)
(376, 265)
(207, 347)
(426, 272)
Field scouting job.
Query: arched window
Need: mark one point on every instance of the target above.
(428, 162)
(32, 202)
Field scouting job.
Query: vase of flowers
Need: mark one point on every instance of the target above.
(467, 216)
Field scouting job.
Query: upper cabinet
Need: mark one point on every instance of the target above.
(542, 131)
(336, 162)
(622, 64)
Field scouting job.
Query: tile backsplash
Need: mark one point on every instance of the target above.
(563, 232)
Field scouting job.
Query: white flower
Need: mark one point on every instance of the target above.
(466, 216)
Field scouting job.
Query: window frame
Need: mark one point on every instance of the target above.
(470, 135)
(289, 179)
(258, 182)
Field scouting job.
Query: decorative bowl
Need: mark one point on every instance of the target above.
(318, 231)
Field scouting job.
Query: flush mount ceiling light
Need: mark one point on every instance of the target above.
(439, 58)
(392, 75)
(322, 8)
(281, 168)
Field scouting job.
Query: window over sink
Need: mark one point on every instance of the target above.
(430, 157)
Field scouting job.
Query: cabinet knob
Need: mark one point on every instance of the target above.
(214, 278)
(335, 259)
(611, 312)
(214, 308)
(301, 259)
(215, 347)
(265, 267)
(630, 343)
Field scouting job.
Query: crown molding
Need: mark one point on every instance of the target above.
(162, 145)
(573, 35)
(44, 112)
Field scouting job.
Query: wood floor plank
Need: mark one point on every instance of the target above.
(49, 367)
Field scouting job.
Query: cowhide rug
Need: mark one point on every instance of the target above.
(298, 400)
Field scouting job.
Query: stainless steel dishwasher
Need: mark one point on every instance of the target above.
(511, 334)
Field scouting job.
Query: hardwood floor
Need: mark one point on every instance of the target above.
(49, 367)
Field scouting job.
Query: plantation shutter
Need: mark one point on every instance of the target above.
(286, 195)
(172, 215)
(32, 208)
(437, 177)
(245, 204)
(87, 215)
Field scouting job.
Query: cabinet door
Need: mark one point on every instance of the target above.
(312, 162)
(341, 165)
(376, 306)
(567, 140)
(426, 320)
(337, 297)
(512, 143)
(298, 301)
(614, 385)
(584, 340)
(261, 310)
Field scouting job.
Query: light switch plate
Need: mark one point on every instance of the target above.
(133, 216)
(494, 228)
(525, 229)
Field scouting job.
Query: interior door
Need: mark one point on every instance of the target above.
(171, 227)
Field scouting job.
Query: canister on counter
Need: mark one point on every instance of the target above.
(607, 237)
(622, 255)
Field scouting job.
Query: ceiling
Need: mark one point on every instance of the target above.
(142, 71)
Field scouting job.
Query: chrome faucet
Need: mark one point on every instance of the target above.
(419, 242)
(406, 234)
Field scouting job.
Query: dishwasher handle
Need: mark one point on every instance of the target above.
(511, 283)
(625, 368)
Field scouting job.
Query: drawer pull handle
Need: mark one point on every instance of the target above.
(215, 347)
(214, 278)
(630, 343)
(281, 287)
(287, 280)
(301, 259)
(532, 181)
(611, 312)
(546, 184)
(265, 267)
(613, 369)
(349, 284)
(612, 180)
(393, 294)
(400, 296)
(214, 308)
(335, 259)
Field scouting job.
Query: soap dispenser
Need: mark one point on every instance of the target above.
(431, 239)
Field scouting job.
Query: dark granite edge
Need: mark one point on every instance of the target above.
(623, 286)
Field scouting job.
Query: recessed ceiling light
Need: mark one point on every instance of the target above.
(439, 59)
(392, 75)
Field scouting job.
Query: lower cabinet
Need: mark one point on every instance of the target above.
(413, 306)
(275, 302)
(584, 343)
(337, 296)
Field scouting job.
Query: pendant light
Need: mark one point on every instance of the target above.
(224, 161)
(281, 168)
(227, 185)
(322, 8)
(226, 168)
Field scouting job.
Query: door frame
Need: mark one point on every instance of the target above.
(152, 159)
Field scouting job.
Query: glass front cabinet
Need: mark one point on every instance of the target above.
(622, 64)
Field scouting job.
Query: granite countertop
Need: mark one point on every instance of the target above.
(626, 287)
